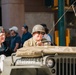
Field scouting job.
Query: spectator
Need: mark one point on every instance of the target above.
(47, 36)
(7, 43)
(26, 35)
(2, 39)
(7, 39)
(38, 32)
(15, 39)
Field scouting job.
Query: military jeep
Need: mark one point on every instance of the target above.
(43, 60)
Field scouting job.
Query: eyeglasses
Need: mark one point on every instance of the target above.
(38, 32)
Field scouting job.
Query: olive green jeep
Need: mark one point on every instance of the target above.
(43, 60)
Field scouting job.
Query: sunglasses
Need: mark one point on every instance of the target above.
(38, 32)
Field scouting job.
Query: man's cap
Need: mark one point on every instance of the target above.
(14, 28)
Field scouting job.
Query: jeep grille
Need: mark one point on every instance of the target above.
(66, 66)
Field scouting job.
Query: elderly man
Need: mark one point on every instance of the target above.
(38, 32)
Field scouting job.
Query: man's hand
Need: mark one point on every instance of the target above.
(39, 43)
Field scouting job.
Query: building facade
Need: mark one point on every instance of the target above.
(31, 12)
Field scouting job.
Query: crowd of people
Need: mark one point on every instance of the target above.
(10, 40)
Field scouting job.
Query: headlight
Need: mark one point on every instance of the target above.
(50, 62)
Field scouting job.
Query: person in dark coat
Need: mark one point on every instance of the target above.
(7, 43)
(15, 39)
(26, 34)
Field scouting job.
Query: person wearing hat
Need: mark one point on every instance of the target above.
(15, 39)
(25, 34)
(2, 39)
(38, 32)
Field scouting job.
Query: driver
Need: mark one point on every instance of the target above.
(38, 32)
